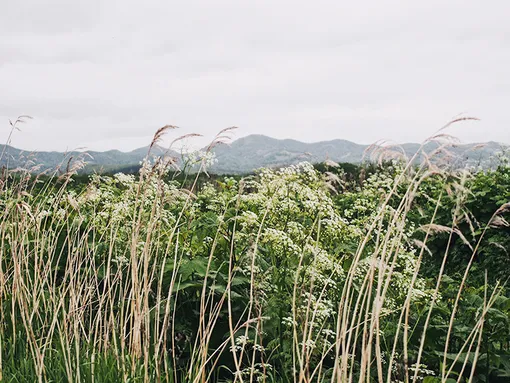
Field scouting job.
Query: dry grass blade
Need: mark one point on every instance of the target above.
(457, 120)
(421, 245)
(332, 180)
(159, 134)
(331, 163)
(445, 138)
(184, 137)
(221, 138)
(435, 228)
(479, 146)
(503, 208)
(499, 221)
(373, 149)
(20, 120)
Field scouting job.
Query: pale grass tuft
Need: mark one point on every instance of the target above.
(160, 133)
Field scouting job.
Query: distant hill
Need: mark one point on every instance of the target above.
(256, 151)
(244, 155)
(111, 160)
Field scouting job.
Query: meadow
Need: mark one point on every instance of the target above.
(394, 271)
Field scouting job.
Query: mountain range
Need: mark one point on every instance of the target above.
(243, 155)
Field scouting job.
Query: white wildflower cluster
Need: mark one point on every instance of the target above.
(289, 322)
(310, 343)
(367, 200)
(381, 182)
(400, 273)
(248, 220)
(316, 311)
(300, 221)
(294, 198)
(241, 341)
(157, 166)
(402, 276)
(110, 204)
(503, 157)
(121, 260)
(398, 369)
(197, 158)
(212, 200)
(259, 371)
(124, 179)
(321, 308)
(280, 241)
(423, 371)
(324, 269)
(60, 214)
(294, 188)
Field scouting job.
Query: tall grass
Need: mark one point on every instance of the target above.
(81, 302)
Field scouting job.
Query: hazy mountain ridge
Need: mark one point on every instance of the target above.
(243, 155)
(256, 151)
(95, 160)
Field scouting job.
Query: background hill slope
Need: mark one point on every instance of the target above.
(243, 155)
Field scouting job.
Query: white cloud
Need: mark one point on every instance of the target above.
(109, 73)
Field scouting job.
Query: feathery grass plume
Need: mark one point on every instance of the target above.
(73, 166)
(372, 149)
(456, 121)
(503, 208)
(183, 137)
(223, 137)
(332, 181)
(329, 162)
(499, 221)
(20, 120)
(14, 126)
(159, 135)
(444, 138)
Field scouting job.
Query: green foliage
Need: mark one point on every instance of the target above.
(311, 274)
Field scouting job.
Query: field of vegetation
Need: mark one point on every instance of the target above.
(394, 271)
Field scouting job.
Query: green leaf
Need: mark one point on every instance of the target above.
(186, 285)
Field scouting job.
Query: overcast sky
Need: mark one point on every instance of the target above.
(106, 74)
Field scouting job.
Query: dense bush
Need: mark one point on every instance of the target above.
(389, 274)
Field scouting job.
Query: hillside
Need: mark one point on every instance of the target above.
(256, 151)
(245, 155)
(110, 160)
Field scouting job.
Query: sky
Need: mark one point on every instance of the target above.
(106, 74)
